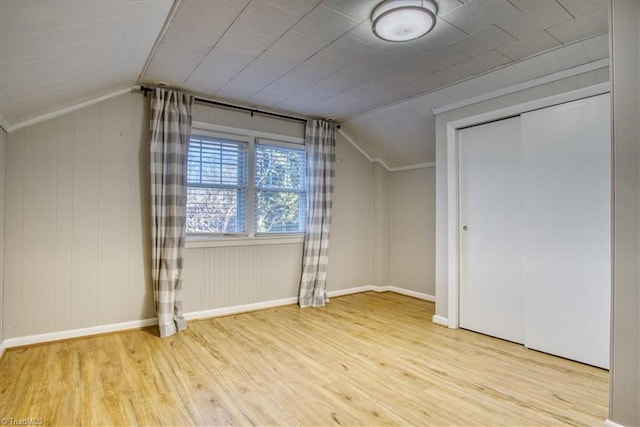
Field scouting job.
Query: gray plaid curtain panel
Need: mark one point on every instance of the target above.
(170, 131)
(320, 145)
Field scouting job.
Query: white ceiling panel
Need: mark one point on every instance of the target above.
(264, 18)
(231, 59)
(209, 79)
(295, 45)
(274, 94)
(440, 59)
(582, 7)
(596, 22)
(442, 35)
(274, 65)
(395, 55)
(325, 24)
(478, 14)
(63, 53)
(299, 7)
(356, 9)
(347, 50)
(538, 17)
(525, 4)
(483, 41)
(240, 89)
(315, 69)
(363, 33)
(184, 31)
(313, 57)
(246, 41)
(172, 64)
(483, 63)
(528, 46)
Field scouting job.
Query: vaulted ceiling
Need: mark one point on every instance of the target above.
(308, 57)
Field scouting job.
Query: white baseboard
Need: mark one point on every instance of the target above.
(349, 291)
(407, 292)
(237, 309)
(609, 423)
(75, 333)
(216, 312)
(440, 320)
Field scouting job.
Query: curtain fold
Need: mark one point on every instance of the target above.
(170, 131)
(320, 146)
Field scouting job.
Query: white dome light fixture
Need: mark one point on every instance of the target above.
(403, 20)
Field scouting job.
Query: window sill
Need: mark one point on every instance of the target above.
(201, 241)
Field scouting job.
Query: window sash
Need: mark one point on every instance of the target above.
(220, 166)
(210, 153)
(277, 153)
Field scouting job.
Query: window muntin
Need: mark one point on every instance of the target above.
(280, 193)
(216, 185)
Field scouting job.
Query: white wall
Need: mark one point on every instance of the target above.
(412, 229)
(3, 145)
(380, 225)
(77, 220)
(350, 262)
(441, 252)
(624, 402)
(77, 223)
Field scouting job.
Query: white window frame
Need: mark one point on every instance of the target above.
(250, 237)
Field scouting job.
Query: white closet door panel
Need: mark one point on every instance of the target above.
(490, 263)
(566, 250)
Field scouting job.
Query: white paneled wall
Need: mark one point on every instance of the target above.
(3, 145)
(76, 220)
(77, 225)
(350, 251)
(229, 276)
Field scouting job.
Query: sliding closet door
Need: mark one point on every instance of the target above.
(490, 263)
(566, 223)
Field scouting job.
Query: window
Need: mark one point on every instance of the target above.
(280, 189)
(250, 187)
(216, 185)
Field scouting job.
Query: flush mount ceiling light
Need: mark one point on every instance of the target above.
(402, 20)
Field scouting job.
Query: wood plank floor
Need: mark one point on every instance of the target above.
(365, 359)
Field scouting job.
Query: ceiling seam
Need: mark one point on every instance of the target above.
(470, 78)
(305, 60)
(567, 10)
(216, 44)
(163, 30)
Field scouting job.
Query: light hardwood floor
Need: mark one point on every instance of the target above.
(365, 359)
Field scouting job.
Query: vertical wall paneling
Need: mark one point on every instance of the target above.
(3, 146)
(13, 302)
(193, 280)
(39, 227)
(219, 277)
(140, 299)
(113, 219)
(64, 222)
(78, 225)
(86, 210)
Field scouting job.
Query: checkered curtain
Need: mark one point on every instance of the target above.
(320, 145)
(170, 130)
